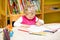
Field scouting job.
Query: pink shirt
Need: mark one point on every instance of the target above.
(24, 20)
(28, 21)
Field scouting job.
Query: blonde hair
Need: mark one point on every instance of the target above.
(28, 6)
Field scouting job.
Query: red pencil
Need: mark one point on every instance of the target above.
(23, 30)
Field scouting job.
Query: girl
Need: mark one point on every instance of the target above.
(29, 18)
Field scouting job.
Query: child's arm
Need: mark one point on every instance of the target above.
(39, 21)
(18, 23)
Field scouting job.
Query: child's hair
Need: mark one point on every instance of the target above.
(28, 6)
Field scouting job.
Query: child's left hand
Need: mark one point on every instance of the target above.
(38, 24)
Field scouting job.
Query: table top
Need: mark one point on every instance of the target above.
(26, 36)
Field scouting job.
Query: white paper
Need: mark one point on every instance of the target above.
(1, 29)
(52, 26)
(35, 28)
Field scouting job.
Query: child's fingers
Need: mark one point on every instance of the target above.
(38, 24)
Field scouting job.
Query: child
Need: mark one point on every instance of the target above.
(29, 18)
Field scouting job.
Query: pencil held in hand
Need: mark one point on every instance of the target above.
(38, 23)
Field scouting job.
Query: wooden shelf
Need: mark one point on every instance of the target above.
(38, 13)
(52, 11)
(52, 8)
(50, 2)
(3, 11)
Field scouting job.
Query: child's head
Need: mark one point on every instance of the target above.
(29, 11)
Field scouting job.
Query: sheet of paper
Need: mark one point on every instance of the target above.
(35, 28)
(1, 30)
(52, 26)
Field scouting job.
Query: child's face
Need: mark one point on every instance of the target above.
(30, 13)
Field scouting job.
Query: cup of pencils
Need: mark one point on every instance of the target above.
(9, 27)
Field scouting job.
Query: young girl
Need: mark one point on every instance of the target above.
(29, 18)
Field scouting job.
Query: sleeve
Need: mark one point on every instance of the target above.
(41, 21)
(18, 22)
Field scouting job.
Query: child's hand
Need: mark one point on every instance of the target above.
(38, 24)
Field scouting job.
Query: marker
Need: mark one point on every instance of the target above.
(50, 31)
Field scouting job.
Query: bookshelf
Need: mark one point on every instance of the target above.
(14, 15)
(12, 10)
(51, 11)
(3, 13)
